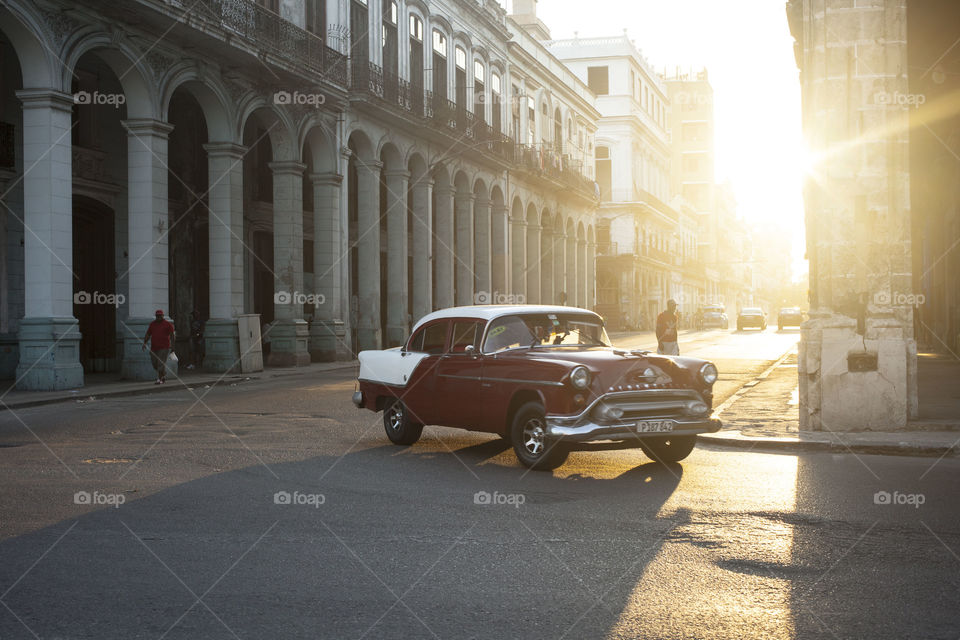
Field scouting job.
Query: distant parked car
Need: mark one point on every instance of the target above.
(789, 317)
(751, 317)
(714, 316)
(543, 377)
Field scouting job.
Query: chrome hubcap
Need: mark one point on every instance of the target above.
(533, 434)
(395, 417)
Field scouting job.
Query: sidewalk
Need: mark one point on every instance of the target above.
(108, 385)
(764, 415)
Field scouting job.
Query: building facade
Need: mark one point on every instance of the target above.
(336, 168)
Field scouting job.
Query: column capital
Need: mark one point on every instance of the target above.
(423, 181)
(287, 167)
(371, 165)
(469, 196)
(397, 173)
(446, 191)
(45, 98)
(325, 179)
(225, 150)
(140, 127)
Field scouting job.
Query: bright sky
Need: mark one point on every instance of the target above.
(747, 48)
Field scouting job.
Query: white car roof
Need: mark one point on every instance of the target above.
(490, 311)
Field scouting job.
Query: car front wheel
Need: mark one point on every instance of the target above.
(669, 448)
(528, 437)
(400, 427)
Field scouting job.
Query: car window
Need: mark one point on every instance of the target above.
(465, 333)
(541, 330)
(430, 339)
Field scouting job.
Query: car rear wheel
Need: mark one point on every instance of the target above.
(668, 448)
(528, 437)
(400, 428)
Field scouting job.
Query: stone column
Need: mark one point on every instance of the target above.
(444, 257)
(147, 215)
(422, 249)
(500, 240)
(532, 263)
(582, 282)
(481, 230)
(463, 261)
(397, 253)
(547, 275)
(327, 334)
(225, 162)
(49, 337)
(857, 364)
(518, 252)
(591, 274)
(559, 264)
(572, 268)
(288, 333)
(369, 334)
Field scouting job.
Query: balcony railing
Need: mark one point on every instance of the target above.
(267, 30)
(544, 160)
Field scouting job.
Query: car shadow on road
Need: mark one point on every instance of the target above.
(380, 542)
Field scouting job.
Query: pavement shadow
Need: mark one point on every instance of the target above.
(866, 566)
(384, 542)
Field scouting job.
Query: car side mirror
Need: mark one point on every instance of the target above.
(471, 351)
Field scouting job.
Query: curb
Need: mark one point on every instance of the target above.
(795, 445)
(177, 386)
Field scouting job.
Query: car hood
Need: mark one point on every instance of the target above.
(616, 368)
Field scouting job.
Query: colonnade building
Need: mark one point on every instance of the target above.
(338, 168)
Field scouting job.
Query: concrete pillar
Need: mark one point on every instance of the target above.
(288, 333)
(857, 364)
(422, 248)
(500, 240)
(591, 275)
(368, 254)
(225, 162)
(463, 262)
(532, 263)
(572, 268)
(518, 252)
(547, 276)
(327, 333)
(397, 253)
(559, 263)
(582, 282)
(482, 240)
(148, 226)
(49, 337)
(444, 257)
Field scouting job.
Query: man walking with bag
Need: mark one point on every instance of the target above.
(161, 335)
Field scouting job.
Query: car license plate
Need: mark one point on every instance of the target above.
(654, 426)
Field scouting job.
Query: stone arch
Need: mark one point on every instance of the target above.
(35, 53)
(208, 93)
(142, 100)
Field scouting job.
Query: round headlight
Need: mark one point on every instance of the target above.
(580, 377)
(649, 373)
(708, 373)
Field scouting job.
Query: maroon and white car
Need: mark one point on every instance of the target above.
(544, 377)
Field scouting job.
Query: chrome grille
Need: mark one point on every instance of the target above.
(648, 403)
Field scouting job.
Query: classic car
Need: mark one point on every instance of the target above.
(789, 317)
(545, 378)
(713, 316)
(751, 317)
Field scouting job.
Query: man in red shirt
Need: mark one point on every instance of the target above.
(161, 335)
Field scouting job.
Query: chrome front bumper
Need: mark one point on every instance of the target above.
(590, 431)
(664, 405)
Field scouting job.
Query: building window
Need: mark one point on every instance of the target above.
(416, 53)
(479, 89)
(633, 84)
(359, 31)
(439, 64)
(604, 173)
(531, 120)
(273, 5)
(389, 39)
(598, 79)
(316, 18)
(460, 77)
(515, 114)
(495, 89)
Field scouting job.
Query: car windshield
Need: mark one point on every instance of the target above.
(545, 330)
(751, 311)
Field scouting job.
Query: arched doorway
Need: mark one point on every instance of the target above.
(94, 284)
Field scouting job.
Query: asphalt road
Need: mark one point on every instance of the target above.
(450, 538)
